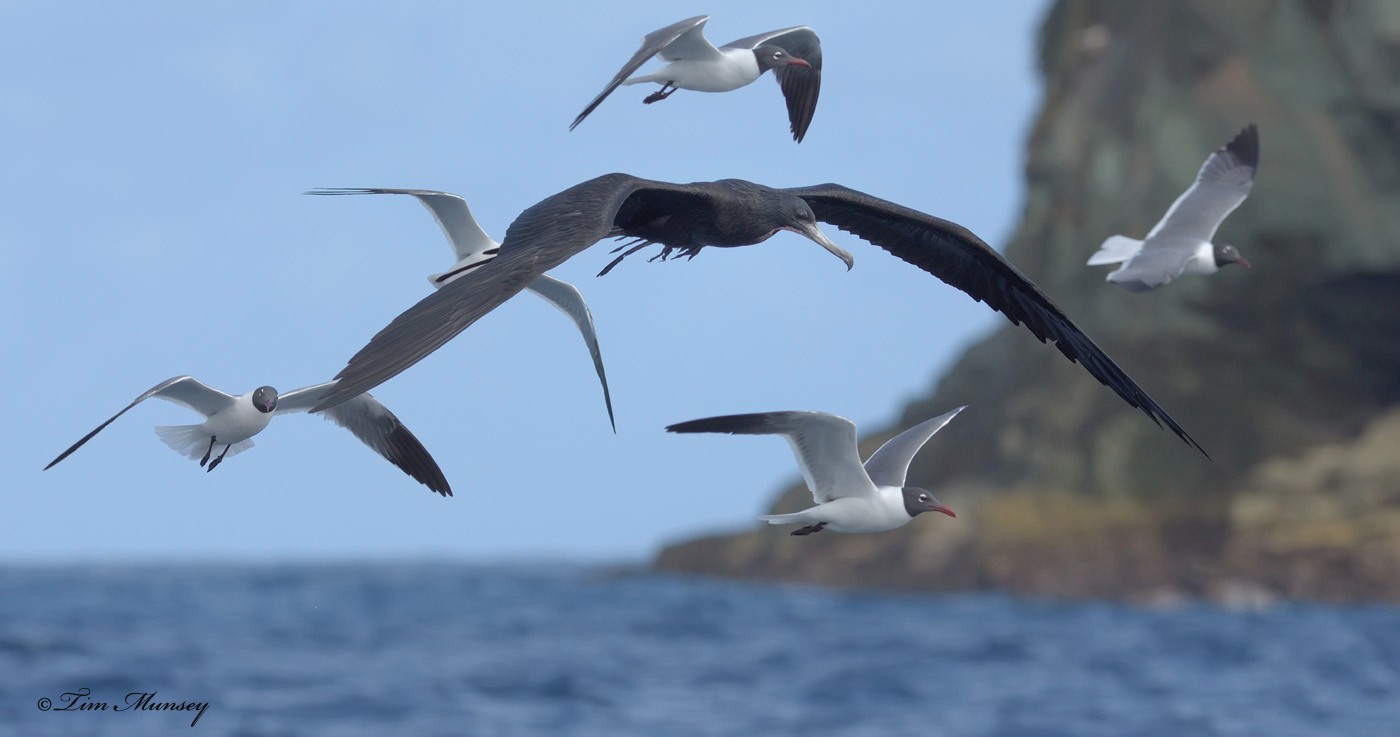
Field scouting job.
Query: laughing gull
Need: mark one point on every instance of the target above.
(474, 247)
(850, 497)
(1181, 242)
(685, 218)
(233, 421)
(794, 54)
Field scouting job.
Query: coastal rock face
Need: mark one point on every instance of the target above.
(1288, 374)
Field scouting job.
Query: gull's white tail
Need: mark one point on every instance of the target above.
(192, 442)
(1115, 250)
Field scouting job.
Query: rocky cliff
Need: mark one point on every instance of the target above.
(1288, 374)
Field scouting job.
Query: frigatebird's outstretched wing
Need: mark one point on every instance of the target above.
(957, 256)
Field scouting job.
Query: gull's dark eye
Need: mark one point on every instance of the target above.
(923, 498)
(777, 54)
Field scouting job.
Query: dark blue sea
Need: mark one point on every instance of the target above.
(450, 649)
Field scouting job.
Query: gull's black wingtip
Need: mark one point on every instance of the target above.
(1245, 146)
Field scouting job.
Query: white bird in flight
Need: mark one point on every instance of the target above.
(794, 54)
(474, 248)
(1181, 242)
(232, 422)
(850, 497)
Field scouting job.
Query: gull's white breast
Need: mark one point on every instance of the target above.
(884, 511)
(237, 423)
(738, 68)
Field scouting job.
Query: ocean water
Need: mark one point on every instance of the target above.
(448, 649)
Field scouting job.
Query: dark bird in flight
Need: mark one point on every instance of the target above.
(683, 219)
(794, 54)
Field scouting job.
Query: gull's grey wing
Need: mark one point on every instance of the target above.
(798, 41)
(657, 42)
(185, 390)
(889, 465)
(1152, 267)
(825, 446)
(449, 210)
(545, 235)
(958, 257)
(376, 427)
(800, 85)
(567, 298)
(1223, 182)
(689, 44)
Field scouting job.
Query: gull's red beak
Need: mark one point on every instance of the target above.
(946, 510)
(798, 62)
(1244, 262)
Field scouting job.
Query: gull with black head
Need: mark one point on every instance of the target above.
(232, 422)
(794, 54)
(850, 496)
(1181, 242)
(684, 219)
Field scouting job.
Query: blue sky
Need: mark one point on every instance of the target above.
(152, 225)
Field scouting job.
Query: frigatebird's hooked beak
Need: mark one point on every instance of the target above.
(810, 230)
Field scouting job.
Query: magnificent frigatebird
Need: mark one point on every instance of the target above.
(683, 219)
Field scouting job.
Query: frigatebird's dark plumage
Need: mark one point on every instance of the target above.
(683, 219)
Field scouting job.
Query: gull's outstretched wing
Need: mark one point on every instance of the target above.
(682, 40)
(889, 465)
(469, 241)
(825, 446)
(958, 257)
(185, 390)
(376, 427)
(567, 298)
(449, 210)
(542, 237)
(1222, 184)
(801, 85)
(1152, 267)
